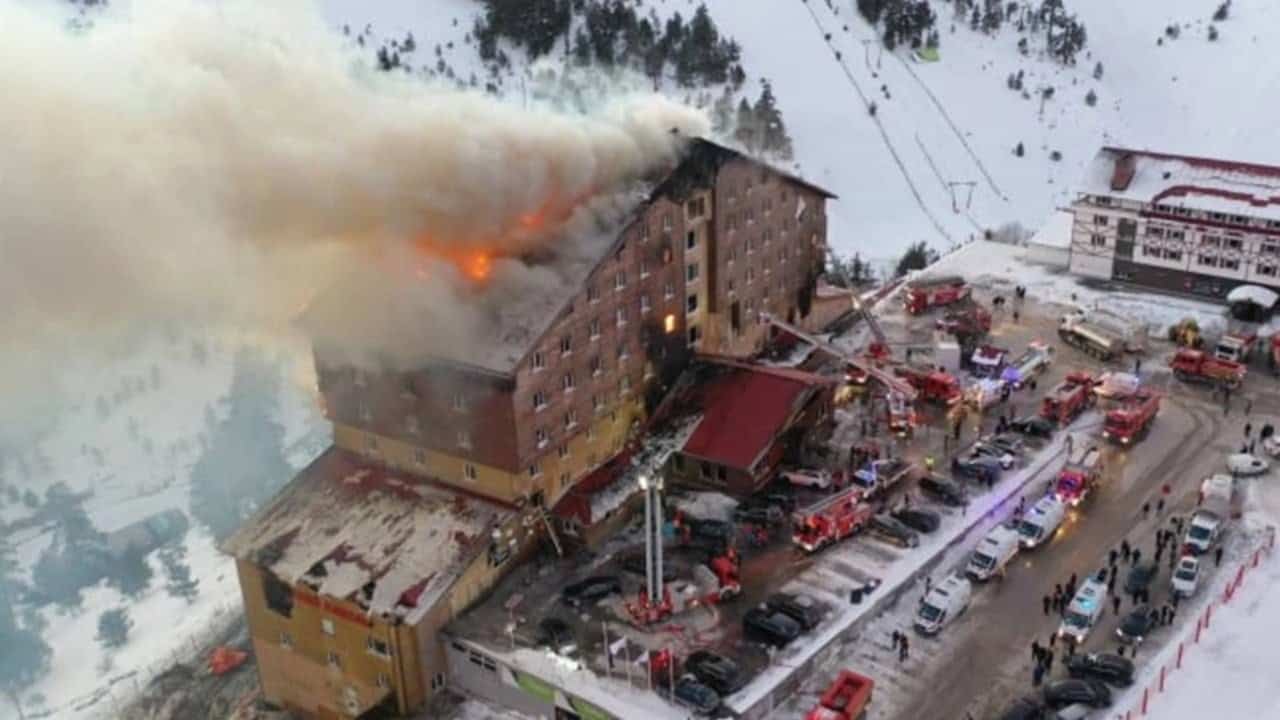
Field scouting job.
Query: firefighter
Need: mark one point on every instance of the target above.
(928, 463)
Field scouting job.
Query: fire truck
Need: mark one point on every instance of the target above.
(830, 520)
(1197, 366)
(1079, 475)
(931, 384)
(1237, 347)
(925, 293)
(967, 319)
(1068, 399)
(1133, 419)
(878, 476)
(1091, 339)
(846, 699)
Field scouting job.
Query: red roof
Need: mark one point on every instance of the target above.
(743, 411)
(1204, 162)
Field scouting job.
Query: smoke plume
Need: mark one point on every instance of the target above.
(227, 160)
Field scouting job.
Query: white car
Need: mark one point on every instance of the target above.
(1186, 577)
(995, 452)
(820, 479)
(1116, 385)
(1271, 446)
(1246, 464)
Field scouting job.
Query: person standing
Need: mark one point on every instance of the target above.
(905, 649)
(1048, 603)
(1115, 604)
(1137, 556)
(1217, 557)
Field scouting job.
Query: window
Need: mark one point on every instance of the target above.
(566, 344)
(623, 388)
(691, 272)
(539, 361)
(326, 626)
(1097, 241)
(366, 415)
(384, 682)
(666, 222)
(540, 437)
(539, 400)
(419, 456)
(595, 365)
(1152, 251)
(597, 404)
(1210, 241)
(412, 425)
(690, 240)
(1155, 231)
(1173, 255)
(645, 305)
(570, 421)
(335, 660)
(751, 245)
(361, 378)
(562, 452)
(593, 294)
(464, 439)
(695, 208)
(751, 215)
(459, 402)
(644, 267)
(623, 351)
(669, 324)
(644, 232)
(566, 382)
(691, 304)
(1230, 264)
(286, 641)
(1100, 219)
(731, 221)
(535, 470)
(593, 328)
(377, 647)
(1265, 270)
(668, 290)
(278, 595)
(751, 274)
(469, 471)
(620, 316)
(1207, 260)
(1220, 217)
(620, 280)
(371, 443)
(1175, 234)
(695, 334)
(1233, 243)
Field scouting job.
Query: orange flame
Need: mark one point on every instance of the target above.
(477, 265)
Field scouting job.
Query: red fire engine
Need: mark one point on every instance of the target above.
(846, 699)
(830, 520)
(968, 319)
(1080, 475)
(1131, 420)
(927, 293)
(932, 384)
(1196, 366)
(1069, 398)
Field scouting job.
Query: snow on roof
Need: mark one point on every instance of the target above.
(355, 531)
(1191, 182)
(706, 505)
(743, 410)
(649, 461)
(1056, 231)
(1252, 293)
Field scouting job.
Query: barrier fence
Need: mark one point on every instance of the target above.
(1191, 637)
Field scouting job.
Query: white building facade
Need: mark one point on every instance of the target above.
(1177, 223)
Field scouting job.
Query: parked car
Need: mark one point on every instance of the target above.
(716, 671)
(758, 514)
(1186, 577)
(1061, 693)
(980, 468)
(918, 519)
(889, 529)
(1028, 708)
(1101, 666)
(711, 535)
(554, 633)
(770, 626)
(591, 590)
(1116, 385)
(797, 606)
(946, 491)
(1009, 442)
(1135, 626)
(633, 562)
(699, 698)
(1033, 426)
(1139, 578)
(995, 452)
(1246, 464)
(782, 500)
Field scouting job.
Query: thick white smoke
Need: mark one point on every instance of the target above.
(224, 160)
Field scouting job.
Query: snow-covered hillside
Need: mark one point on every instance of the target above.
(904, 175)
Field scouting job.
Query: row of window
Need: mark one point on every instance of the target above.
(1217, 216)
(562, 452)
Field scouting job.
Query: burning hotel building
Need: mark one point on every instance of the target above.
(439, 476)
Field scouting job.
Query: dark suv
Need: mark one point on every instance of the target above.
(591, 590)
(943, 489)
(1062, 693)
(716, 671)
(699, 698)
(770, 626)
(801, 608)
(977, 467)
(1101, 666)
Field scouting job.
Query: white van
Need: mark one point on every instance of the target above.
(993, 554)
(1203, 532)
(1084, 610)
(944, 603)
(1040, 522)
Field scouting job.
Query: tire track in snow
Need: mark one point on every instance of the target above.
(879, 126)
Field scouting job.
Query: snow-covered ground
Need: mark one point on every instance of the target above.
(128, 431)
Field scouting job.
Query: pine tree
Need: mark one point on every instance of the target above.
(1091, 98)
(1213, 33)
(113, 628)
(975, 20)
(1223, 10)
(917, 257)
(1019, 150)
(1097, 71)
